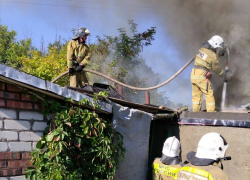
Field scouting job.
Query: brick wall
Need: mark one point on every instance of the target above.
(21, 126)
(14, 163)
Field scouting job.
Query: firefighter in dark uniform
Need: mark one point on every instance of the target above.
(78, 57)
(167, 167)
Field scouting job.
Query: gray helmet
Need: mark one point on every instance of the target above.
(81, 32)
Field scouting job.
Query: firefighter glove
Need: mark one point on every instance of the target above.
(79, 68)
(75, 63)
(71, 70)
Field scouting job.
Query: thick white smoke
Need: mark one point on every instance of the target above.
(193, 22)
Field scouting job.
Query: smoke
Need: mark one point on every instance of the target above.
(193, 22)
(182, 27)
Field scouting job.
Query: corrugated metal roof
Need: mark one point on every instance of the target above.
(22, 79)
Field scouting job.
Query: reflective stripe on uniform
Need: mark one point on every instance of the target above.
(204, 174)
(69, 62)
(165, 170)
(221, 73)
(198, 77)
(210, 104)
(79, 54)
(203, 63)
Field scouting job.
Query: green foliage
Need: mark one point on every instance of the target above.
(47, 66)
(119, 58)
(120, 52)
(80, 146)
(21, 55)
(10, 50)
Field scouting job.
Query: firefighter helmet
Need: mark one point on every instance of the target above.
(171, 147)
(216, 41)
(81, 32)
(171, 152)
(211, 147)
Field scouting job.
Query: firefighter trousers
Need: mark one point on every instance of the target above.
(78, 79)
(199, 84)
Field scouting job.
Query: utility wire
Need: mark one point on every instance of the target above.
(71, 6)
(107, 3)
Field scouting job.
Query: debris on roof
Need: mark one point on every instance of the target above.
(25, 80)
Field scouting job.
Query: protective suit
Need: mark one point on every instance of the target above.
(78, 55)
(164, 172)
(205, 162)
(205, 61)
(167, 167)
(210, 172)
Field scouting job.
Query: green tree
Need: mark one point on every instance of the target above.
(11, 50)
(116, 56)
(46, 66)
(119, 58)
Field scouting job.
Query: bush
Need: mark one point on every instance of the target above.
(80, 146)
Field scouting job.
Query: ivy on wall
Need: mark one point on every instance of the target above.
(77, 144)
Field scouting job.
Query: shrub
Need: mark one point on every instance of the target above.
(77, 144)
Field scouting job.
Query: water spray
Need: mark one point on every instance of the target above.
(224, 91)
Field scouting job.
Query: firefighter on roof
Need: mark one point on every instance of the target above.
(78, 57)
(205, 61)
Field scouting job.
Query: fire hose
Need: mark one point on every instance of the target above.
(128, 86)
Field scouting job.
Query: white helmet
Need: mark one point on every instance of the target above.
(81, 32)
(171, 147)
(216, 41)
(211, 146)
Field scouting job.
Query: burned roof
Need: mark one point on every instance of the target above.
(22, 79)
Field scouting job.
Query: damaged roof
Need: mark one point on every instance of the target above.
(25, 80)
(22, 79)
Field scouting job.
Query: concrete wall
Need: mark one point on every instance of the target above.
(21, 126)
(189, 135)
(134, 125)
(237, 138)
(239, 147)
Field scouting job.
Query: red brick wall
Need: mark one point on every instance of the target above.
(12, 97)
(14, 163)
(15, 99)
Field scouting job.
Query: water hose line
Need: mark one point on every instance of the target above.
(128, 86)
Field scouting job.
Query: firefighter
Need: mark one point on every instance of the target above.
(205, 162)
(205, 61)
(78, 57)
(168, 165)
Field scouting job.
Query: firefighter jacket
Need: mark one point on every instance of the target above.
(205, 60)
(77, 52)
(209, 172)
(208, 59)
(164, 172)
